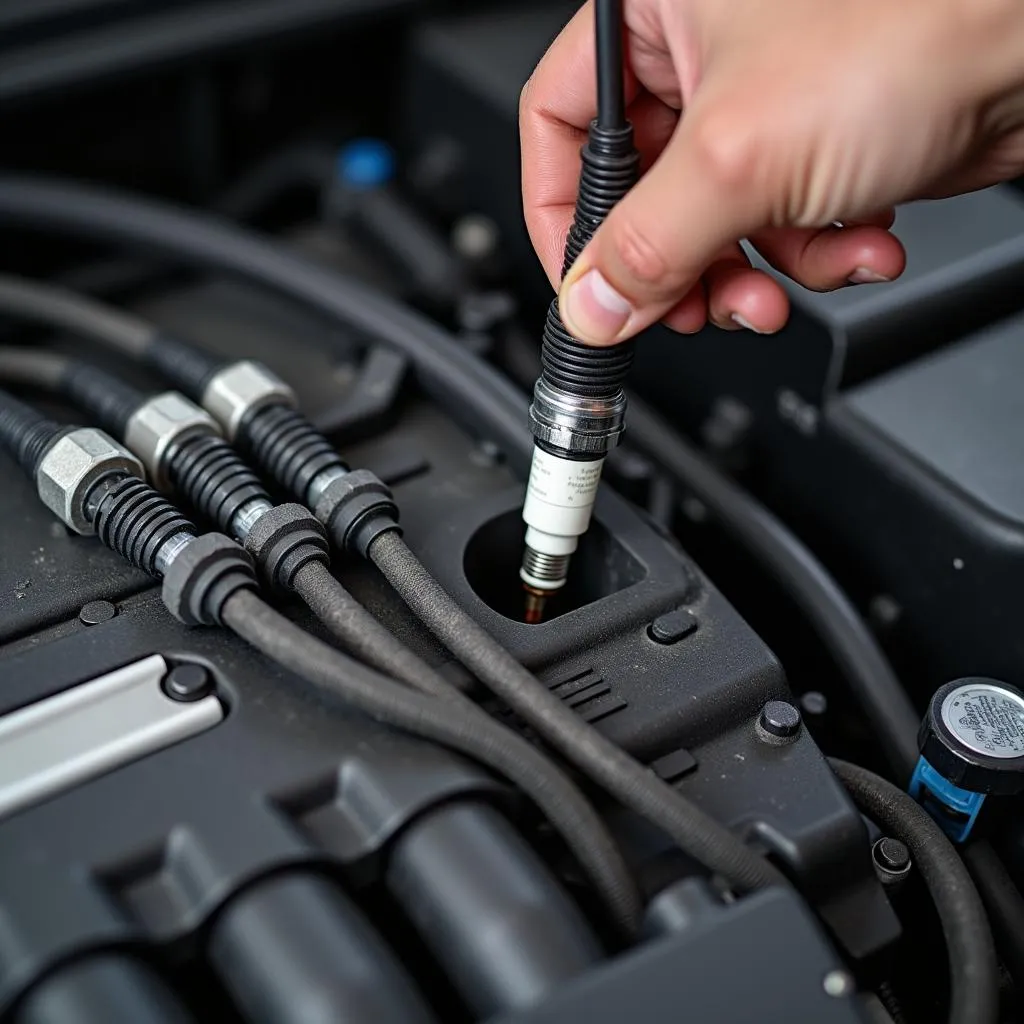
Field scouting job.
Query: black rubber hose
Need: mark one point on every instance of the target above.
(696, 833)
(611, 93)
(65, 310)
(480, 397)
(363, 635)
(974, 972)
(34, 368)
(835, 619)
(109, 400)
(1004, 904)
(24, 433)
(444, 722)
(305, 166)
(188, 366)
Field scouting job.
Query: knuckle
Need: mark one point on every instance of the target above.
(525, 99)
(728, 158)
(642, 258)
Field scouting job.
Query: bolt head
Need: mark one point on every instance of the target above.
(158, 424)
(96, 612)
(838, 984)
(241, 388)
(892, 860)
(72, 466)
(780, 719)
(187, 683)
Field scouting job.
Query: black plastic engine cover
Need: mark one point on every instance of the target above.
(683, 974)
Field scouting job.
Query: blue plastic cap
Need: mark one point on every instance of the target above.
(366, 163)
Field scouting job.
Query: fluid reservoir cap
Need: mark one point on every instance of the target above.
(972, 746)
(365, 163)
(973, 735)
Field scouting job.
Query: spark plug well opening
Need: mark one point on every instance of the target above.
(601, 566)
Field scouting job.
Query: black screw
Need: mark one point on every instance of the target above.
(779, 719)
(892, 860)
(95, 612)
(187, 683)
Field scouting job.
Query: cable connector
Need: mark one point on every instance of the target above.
(70, 469)
(283, 540)
(207, 571)
(291, 451)
(217, 482)
(239, 390)
(160, 423)
(356, 509)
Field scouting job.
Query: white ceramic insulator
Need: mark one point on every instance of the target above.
(559, 502)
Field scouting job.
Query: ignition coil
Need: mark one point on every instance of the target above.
(579, 405)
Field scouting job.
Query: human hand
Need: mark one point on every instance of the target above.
(799, 116)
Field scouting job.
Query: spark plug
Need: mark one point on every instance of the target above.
(579, 406)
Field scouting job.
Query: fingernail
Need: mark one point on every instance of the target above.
(743, 322)
(593, 310)
(864, 276)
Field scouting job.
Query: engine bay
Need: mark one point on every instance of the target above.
(785, 641)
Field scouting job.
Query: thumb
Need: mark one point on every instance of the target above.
(700, 196)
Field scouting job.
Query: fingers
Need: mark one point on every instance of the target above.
(740, 297)
(733, 296)
(556, 107)
(882, 219)
(823, 260)
(696, 200)
(690, 314)
(552, 181)
(554, 110)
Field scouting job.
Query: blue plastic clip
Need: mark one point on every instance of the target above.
(365, 163)
(955, 810)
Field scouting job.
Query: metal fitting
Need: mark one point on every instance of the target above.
(319, 484)
(241, 388)
(248, 516)
(570, 423)
(542, 571)
(160, 423)
(169, 551)
(356, 509)
(72, 466)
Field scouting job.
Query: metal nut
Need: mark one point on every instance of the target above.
(158, 424)
(585, 426)
(72, 466)
(240, 389)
